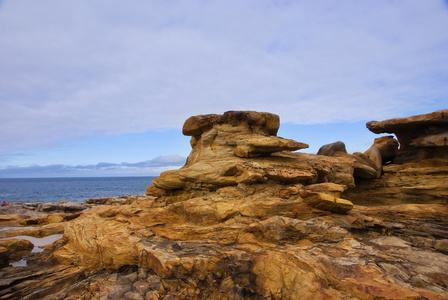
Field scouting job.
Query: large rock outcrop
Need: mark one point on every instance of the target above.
(421, 137)
(419, 169)
(237, 149)
(247, 218)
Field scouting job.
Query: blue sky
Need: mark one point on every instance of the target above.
(102, 88)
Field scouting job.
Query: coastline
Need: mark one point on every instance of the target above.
(74, 189)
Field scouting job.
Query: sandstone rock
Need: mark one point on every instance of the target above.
(421, 137)
(221, 146)
(442, 245)
(329, 188)
(55, 218)
(331, 149)
(327, 202)
(388, 147)
(257, 254)
(263, 123)
(425, 182)
(260, 145)
(4, 257)
(374, 154)
(13, 250)
(64, 206)
(365, 167)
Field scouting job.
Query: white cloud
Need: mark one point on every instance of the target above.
(80, 68)
(147, 168)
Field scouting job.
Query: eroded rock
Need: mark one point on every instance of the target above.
(12, 250)
(421, 137)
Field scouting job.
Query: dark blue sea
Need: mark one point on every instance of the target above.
(75, 189)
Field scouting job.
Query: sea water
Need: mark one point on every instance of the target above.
(75, 189)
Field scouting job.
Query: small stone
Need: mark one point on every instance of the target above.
(327, 202)
(118, 291)
(142, 273)
(55, 219)
(226, 285)
(141, 286)
(154, 282)
(152, 295)
(128, 279)
(133, 296)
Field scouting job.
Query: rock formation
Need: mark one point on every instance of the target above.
(421, 137)
(248, 218)
(419, 172)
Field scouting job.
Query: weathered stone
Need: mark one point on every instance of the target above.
(374, 154)
(261, 145)
(442, 245)
(329, 188)
(327, 202)
(421, 137)
(55, 218)
(388, 147)
(425, 182)
(64, 206)
(365, 167)
(331, 149)
(234, 148)
(264, 123)
(133, 296)
(15, 249)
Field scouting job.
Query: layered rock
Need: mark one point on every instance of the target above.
(421, 137)
(424, 182)
(242, 149)
(221, 145)
(264, 250)
(419, 172)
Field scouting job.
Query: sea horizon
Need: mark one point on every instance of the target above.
(92, 176)
(74, 189)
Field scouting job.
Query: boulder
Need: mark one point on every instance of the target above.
(331, 149)
(388, 147)
(374, 155)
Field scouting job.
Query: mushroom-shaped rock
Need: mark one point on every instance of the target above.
(232, 148)
(421, 137)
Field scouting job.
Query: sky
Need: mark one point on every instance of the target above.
(102, 88)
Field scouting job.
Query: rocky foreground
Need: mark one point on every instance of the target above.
(248, 218)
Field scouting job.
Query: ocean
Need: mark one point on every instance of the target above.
(74, 189)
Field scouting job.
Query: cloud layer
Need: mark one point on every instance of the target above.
(147, 168)
(72, 69)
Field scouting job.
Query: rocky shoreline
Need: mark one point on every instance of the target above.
(249, 218)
